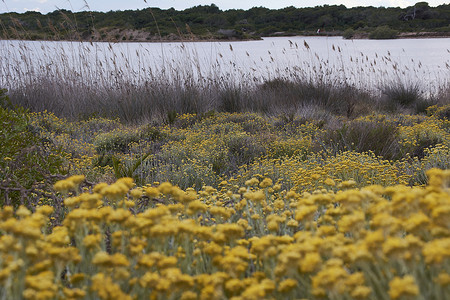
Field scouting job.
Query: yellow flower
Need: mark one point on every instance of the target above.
(385, 221)
(71, 202)
(127, 181)
(360, 253)
(347, 184)
(401, 287)
(329, 182)
(441, 215)
(99, 187)
(76, 179)
(23, 212)
(259, 291)
(188, 295)
(6, 213)
(315, 176)
(443, 279)
(74, 293)
(149, 279)
(115, 191)
(394, 246)
(101, 259)
(59, 236)
(326, 230)
(330, 278)
(234, 286)
(266, 183)
(77, 278)
(352, 223)
(273, 226)
(416, 222)
(231, 230)
(322, 199)
(106, 289)
(64, 186)
(292, 223)
(310, 262)
(92, 241)
(252, 182)
(43, 281)
(223, 212)
(119, 215)
(44, 210)
(196, 206)
(167, 262)
(305, 213)
(256, 197)
(437, 178)
(89, 201)
(287, 285)
(355, 279)
(165, 188)
(436, 250)
(136, 193)
(152, 192)
(361, 292)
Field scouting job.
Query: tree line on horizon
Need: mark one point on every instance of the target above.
(210, 22)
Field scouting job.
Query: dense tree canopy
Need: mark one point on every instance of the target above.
(208, 21)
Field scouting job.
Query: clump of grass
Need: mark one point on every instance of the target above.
(398, 96)
(295, 95)
(379, 136)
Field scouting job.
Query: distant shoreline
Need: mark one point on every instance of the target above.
(357, 36)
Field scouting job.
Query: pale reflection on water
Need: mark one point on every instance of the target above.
(364, 63)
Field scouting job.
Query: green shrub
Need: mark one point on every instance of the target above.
(25, 159)
(120, 140)
(383, 33)
(348, 34)
(115, 141)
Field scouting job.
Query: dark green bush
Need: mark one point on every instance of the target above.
(383, 33)
(120, 140)
(25, 158)
(115, 142)
(348, 34)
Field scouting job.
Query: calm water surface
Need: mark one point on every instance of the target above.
(365, 63)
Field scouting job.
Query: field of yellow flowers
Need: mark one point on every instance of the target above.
(226, 206)
(255, 241)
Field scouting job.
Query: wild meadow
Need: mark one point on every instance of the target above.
(179, 182)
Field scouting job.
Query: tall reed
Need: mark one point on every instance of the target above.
(138, 82)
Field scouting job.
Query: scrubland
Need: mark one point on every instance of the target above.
(197, 187)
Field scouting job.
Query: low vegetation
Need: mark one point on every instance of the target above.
(119, 182)
(383, 33)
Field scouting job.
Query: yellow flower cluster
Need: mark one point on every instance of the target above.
(250, 242)
(202, 150)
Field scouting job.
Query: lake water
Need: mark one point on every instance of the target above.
(363, 63)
